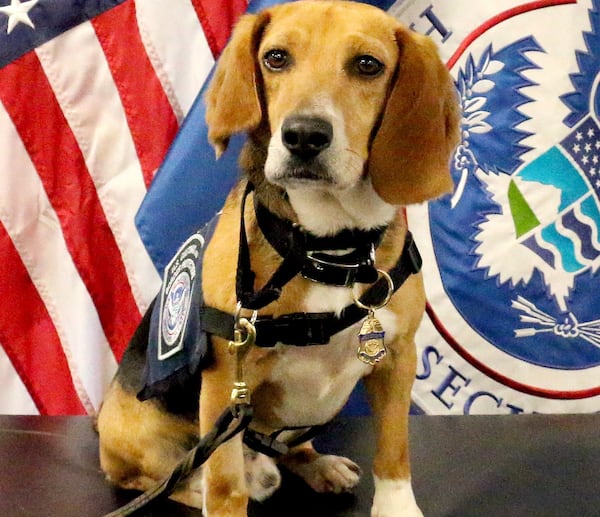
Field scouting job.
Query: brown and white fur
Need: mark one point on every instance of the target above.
(391, 106)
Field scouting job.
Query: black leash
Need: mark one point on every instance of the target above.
(233, 421)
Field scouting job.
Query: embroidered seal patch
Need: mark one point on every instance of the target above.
(176, 296)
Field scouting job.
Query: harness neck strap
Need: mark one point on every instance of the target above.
(245, 277)
(339, 260)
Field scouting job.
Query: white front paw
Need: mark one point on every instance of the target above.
(329, 473)
(394, 498)
(262, 475)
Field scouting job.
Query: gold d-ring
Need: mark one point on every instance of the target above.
(390, 291)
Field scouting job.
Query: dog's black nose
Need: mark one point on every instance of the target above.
(306, 137)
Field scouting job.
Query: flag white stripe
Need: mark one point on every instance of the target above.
(19, 402)
(29, 218)
(182, 73)
(91, 104)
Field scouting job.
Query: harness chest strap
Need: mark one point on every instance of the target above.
(314, 328)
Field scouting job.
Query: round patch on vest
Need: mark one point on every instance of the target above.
(176, 308)
(176, 297)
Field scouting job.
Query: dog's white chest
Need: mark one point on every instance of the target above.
(316, 381)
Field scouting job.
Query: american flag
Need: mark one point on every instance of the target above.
(92, 94)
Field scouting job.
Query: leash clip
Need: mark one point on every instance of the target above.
(244, 337)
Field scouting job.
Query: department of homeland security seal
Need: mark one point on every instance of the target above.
(176, 296)
(513, 283)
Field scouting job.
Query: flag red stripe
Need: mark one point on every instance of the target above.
(56, 156)
(150, 116)
(217, 19)
(30, 339)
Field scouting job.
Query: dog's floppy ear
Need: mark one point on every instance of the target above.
(410, 153)
(232, 99)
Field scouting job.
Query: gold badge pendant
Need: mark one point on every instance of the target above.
(371, 345)
(371, 348)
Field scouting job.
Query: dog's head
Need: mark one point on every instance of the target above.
(348, 95)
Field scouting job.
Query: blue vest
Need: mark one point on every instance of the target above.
(177, 346)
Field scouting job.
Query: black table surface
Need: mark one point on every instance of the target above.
(514, 465)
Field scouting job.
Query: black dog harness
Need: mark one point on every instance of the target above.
(306, 254)
(178, 345)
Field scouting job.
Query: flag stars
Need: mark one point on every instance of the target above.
(18, 12)
(583, 146)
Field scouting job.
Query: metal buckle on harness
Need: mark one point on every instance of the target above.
(339, 270)
(317, 266)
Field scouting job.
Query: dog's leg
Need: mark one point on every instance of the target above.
(322, 472)
(140, 444)
(389, 387)
(225, 491)
(190, 491)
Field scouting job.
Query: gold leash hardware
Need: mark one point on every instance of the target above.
(244, 337)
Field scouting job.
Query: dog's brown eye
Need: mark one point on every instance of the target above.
(276, 59)
(368, 66)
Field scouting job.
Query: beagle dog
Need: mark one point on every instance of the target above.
(349, 116)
